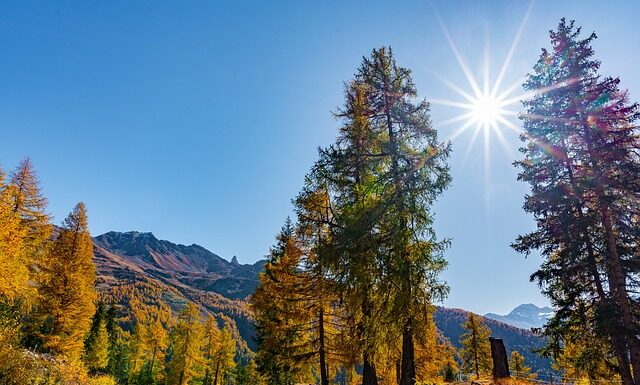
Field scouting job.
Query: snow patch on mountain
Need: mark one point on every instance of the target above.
(525, 316)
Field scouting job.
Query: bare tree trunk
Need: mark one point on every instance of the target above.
(408, 374)
(324, 378)
(369, 375)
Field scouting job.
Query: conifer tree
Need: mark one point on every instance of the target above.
(14, 271)
(385, 171)
(156, 344)
(476, 350)
(67, 290)
(98, 342)
(186, 345)
(518, 367)
(284, 342)
(97, 357)
(580, 159)
(223, 357)
(30, 205)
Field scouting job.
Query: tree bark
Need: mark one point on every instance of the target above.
(369, 375)
(408, 374)
(324, 380)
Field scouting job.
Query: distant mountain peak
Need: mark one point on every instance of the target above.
(234, 261)
(525, 316)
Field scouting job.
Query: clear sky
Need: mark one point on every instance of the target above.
(198, 120)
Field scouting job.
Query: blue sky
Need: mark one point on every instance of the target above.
(198, 120)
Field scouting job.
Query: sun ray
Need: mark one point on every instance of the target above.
(468, 106)
(512, 49)
(474, 138)
(460, 130)
(486, 106)
(455, 88)
(467, 73)
(458, 118)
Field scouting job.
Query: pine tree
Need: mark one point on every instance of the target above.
(186, 345)
(67, 290)
(476, 350)
(581, 161)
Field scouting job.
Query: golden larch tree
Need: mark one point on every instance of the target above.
(67, 293)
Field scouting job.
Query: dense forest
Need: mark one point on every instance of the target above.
(349, 291)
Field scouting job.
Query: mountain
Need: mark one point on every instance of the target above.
(137, 271)
(449, 322)
(525, 316)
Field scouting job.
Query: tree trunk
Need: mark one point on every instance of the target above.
(408, 374)
(153, 359)
(618, 344)
(215, 376)
(324, 380)
(615, 273)
(369, 376)
(618, 288)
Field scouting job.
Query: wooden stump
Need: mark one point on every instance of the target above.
(499, 357)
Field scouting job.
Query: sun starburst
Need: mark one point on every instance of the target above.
(486, 107)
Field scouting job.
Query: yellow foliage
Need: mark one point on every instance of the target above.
(67, 288)
(14, 272)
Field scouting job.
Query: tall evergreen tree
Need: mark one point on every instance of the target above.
(67, 287)
(97, 343)
(476, 350)
(581, 162)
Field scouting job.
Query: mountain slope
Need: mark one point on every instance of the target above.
(449, 322)
(158, 270)
(525, 316)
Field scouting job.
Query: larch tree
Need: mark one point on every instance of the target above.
(347, 170)
(14, 268)
(476, 350)
(222, 358)
(211, 346)
(157, 342)
(67, 287)
(517, 366)
(31, 205)
(317, 290)
(285, 343)
(413, 174)
(186, 336)
(581, 161)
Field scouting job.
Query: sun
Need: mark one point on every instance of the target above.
(486, 106)
(486, 111)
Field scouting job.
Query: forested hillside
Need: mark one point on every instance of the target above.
(134, 260)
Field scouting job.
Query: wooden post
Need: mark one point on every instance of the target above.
(499, 357)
